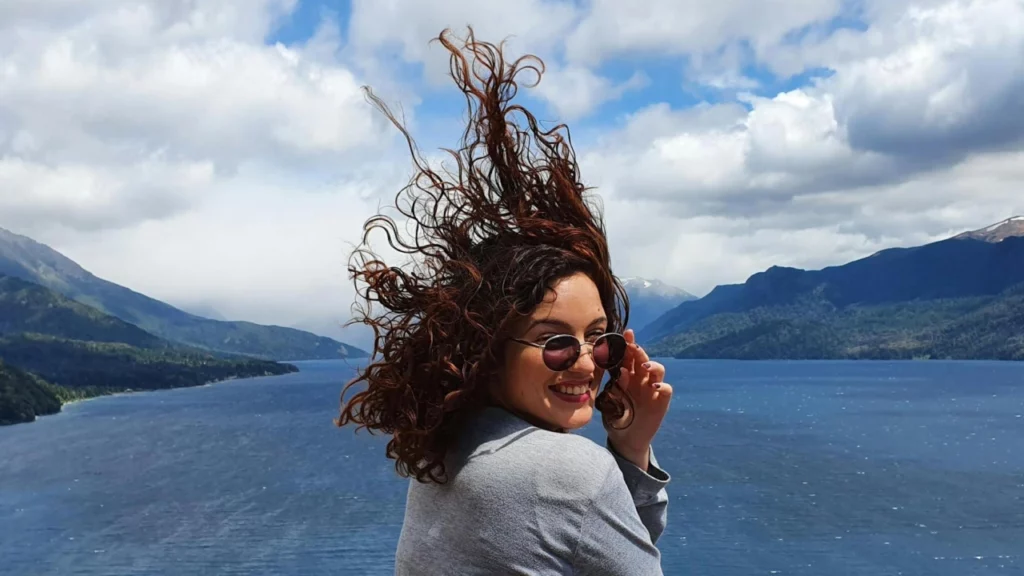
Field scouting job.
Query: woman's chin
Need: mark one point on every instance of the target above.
(579, 418)
(555, 417)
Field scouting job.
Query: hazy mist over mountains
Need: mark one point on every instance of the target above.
(22, 257)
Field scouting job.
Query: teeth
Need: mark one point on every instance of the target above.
(572, 390)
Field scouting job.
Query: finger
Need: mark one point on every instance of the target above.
(638, 358)
(624, 379)
(630, 336)
(642, 365)
(629, 359)
(663, 391)
(642, 352)
(655, 372)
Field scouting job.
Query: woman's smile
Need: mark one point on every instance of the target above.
(577, 392)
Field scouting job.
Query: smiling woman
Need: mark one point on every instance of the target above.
(491, 348)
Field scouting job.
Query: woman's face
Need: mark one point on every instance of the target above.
(563, 399)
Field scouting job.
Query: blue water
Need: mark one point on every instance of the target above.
(778, 468)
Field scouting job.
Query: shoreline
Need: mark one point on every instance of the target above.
(129, 392)
(132, 391)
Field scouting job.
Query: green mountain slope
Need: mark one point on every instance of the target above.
(986, 327)
(29, 260)
(24, 396)
(116, 367)
(957, 298)
(29, 307)
(82, 352)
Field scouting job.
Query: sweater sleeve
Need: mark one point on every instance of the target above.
(648, 491)
(613, 539)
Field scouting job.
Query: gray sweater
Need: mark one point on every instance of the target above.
(523, 500)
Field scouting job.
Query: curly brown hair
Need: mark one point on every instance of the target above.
(487, 241)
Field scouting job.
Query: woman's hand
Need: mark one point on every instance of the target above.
(643, 381)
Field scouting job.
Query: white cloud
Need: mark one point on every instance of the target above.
(699, 252)
(256, 250)
(873, 121)
(899, 146)
(167, 147)
(86, 197)
(144, 23)
(685, 27)
(152, 92)
(407, 28)
(924, 79)
(575, 92)
(953, 85)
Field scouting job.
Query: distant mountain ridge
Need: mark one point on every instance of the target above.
(54, 349)
(650, 298)
(901, 302)
(29, 307)
(27, 259)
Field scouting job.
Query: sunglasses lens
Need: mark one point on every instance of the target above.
(561, 352)
(609, 350)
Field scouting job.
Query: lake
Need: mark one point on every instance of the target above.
(807, 468)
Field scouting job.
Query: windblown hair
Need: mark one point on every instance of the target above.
(487, 242)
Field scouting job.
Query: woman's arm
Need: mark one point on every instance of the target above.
(648, 491)
(620, 525)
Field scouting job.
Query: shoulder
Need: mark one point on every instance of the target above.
(548, 464)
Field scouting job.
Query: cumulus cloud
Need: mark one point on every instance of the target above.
(914, 135)
(406, 28)
(931, 80)
(687, 27)
(86, 197)
(699, 251)
(952, 88)
(133, 110)
(140, 134)
(574, 92)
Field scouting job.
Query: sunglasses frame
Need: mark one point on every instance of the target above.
(579, 346)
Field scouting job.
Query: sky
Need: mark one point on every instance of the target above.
(220, 155)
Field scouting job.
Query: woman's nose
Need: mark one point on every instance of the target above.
(585, 362)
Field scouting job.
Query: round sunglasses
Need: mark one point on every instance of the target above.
(562, 351)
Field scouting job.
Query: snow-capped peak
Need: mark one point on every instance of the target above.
(654, 287)
(634, 281)
(999, 231)
(1003, 223)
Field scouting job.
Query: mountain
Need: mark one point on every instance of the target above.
(54, 349)
(1011, 227)
(649, 299)
(956, 298)
(27, 259)
(29, 307)
(203, 311)
(24, 396)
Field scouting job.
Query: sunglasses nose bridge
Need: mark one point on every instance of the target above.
(586, 349)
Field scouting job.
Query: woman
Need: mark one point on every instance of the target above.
(491, 346)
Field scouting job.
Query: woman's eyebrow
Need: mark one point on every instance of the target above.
(563, 325)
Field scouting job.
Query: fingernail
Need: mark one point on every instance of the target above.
(646, 364)
(656, 386)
